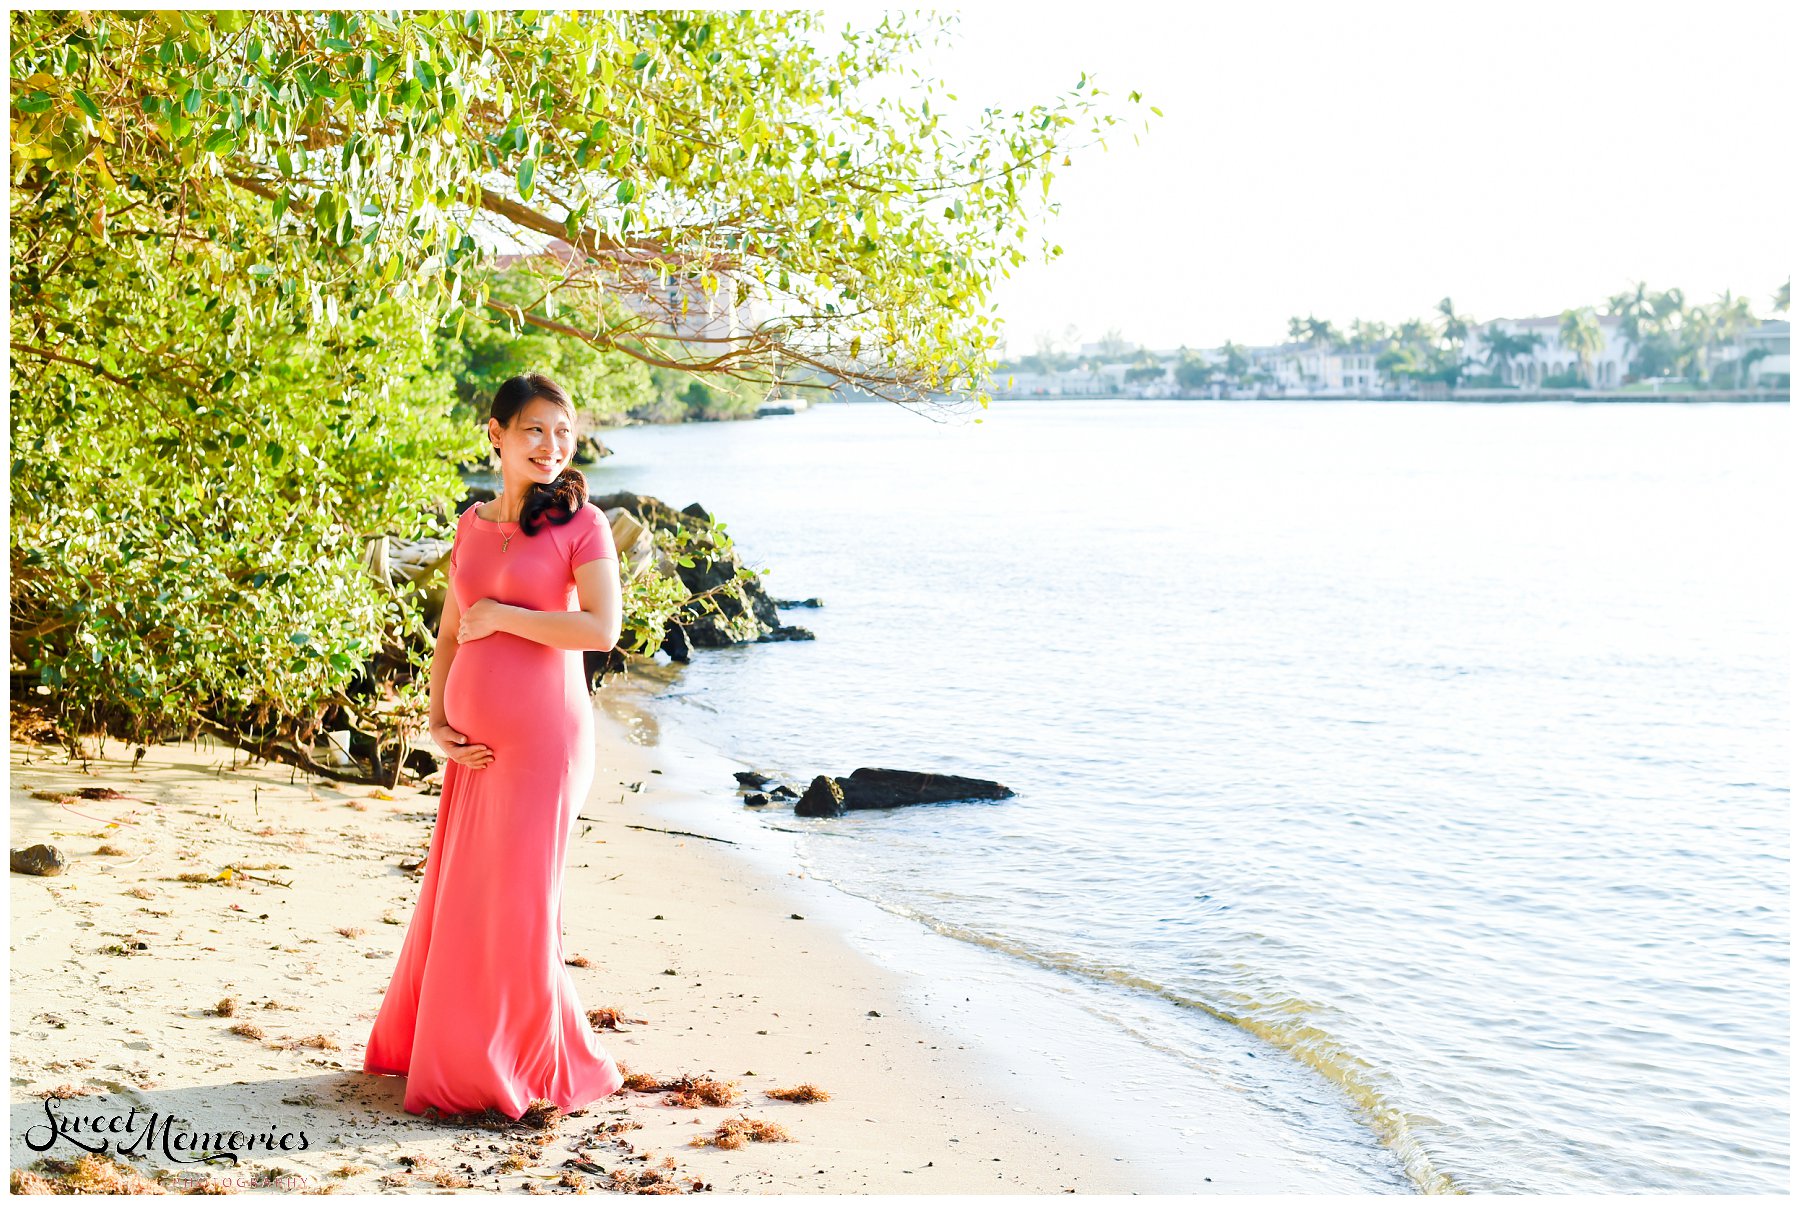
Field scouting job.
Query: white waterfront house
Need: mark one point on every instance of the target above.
(1317, 370)
(1764, 344)
(1550, 358)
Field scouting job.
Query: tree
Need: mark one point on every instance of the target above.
(1144, 369)
(1711, 328)
(1453, 328)
(294, 161)
(1368, 336)
(240, 236)
(1114, 346)
(1635, 309)
(1504, 347)
(1580, 333)
(1237, 361)
(606, 385)
(1322, 334)
(1193, 373)
(1779, 302)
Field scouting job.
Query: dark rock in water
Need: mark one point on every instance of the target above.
(756, 780)
(675, 642)
(756, 800)
(734, 610)
(785, 632)
(596, 664)
(798, 602)
(39, 859)
(876, 788)
(823, 798)
(589, 450)
(784, 792)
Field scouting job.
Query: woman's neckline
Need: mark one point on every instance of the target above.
(479, 518)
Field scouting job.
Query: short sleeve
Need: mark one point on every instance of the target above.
(462, 521)
(592, 536)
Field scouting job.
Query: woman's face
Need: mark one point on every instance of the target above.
(539, 443)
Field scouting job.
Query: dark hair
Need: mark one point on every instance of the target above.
(554, 502)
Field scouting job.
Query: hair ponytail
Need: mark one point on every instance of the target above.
(555, 502)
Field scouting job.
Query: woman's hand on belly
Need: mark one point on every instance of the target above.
(480, 618)
(460, 748)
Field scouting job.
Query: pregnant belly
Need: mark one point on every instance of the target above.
(508, 692)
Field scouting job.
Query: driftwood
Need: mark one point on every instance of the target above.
(679, 833)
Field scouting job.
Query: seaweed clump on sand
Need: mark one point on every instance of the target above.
(800, 1093)
(90, 1174)
(610, 1018)
(734, 1132)
(690, 1092)
(538, 1115)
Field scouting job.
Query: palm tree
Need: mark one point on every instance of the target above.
(1634, 310)
(1297, 329)
(1580, 332)
(1455, 327)
(1503, 348)
(1368, 336)
(1415, 331)
(1322, 334)
(1715, 326)
(1780, 300)
(1237, 361)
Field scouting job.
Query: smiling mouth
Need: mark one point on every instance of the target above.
(544, 464)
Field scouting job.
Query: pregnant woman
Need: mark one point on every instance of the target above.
(481, 1011)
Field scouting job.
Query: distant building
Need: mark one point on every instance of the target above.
(1765, 346)
(674, 301)
(1550, 359)
(1317, 370)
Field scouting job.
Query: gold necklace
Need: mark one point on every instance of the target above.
(504, 540)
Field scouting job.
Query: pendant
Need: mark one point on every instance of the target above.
(505, 540)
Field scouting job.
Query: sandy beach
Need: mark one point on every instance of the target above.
(211, 879)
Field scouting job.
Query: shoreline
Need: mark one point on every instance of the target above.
(934, 1087)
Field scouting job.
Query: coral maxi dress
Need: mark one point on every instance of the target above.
(481, 1010)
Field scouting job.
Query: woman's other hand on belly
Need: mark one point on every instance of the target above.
(480, 618)
(460, 748)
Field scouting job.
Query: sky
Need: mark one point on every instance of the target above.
(1367, 159)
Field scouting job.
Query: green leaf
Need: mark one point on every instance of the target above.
(527, 170)
(626, 191)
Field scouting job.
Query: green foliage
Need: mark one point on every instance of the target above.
(1672, 338)
(1579, 331)
(482, 351)
(1503, 347)
(1194, 374)
(1145, 368)
(765, 167)
(185, 548)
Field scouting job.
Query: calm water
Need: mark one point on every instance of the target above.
(1442, 748)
